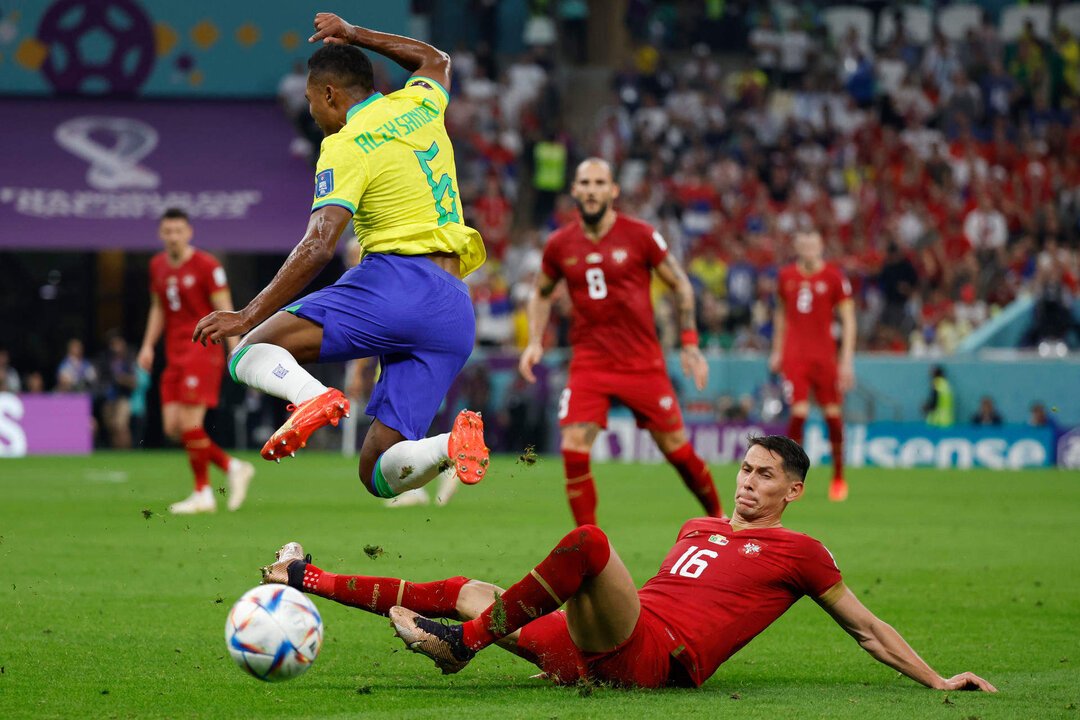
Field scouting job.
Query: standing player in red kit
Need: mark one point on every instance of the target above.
(722, 583)
(607, 260)
(185, 285)
(804, 351)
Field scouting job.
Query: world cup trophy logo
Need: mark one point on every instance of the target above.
(115, 165)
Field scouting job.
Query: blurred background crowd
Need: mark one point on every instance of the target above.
(937, 153)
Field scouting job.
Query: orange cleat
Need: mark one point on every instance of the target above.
(306, 418)
(467, 449)
(838, 490)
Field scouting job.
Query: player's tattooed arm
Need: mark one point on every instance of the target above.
(417, 57)
(694, 364)
(671, 272)
(305, 261)
(887, 646)
(537, 312)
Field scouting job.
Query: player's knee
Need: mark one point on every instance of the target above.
(592, 544)
(832, 410)
(800, 409)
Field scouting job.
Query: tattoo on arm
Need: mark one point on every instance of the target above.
(673, 273)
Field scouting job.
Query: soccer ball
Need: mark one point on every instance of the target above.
(274, 632)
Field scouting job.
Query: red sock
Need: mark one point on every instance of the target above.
(583, 553)
(580, 488)
(795, 427)
(196, 443)
(213, 453)
(379, 594)
(697, 478)
(836, 439)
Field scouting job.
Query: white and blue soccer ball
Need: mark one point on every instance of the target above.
(274, 632)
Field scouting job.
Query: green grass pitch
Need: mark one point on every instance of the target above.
(105, 613)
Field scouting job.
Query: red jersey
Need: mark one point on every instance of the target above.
(608, 280)
(718, 589)
(184, 293)
(809, 302)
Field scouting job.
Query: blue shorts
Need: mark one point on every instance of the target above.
(417, 318)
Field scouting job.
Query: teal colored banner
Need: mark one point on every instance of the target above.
(162, 48)
(908, 445)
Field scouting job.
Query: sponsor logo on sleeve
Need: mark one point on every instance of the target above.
(324, 183)
(219, 276)
(659, 239)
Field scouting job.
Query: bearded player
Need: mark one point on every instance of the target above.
(722, 583)
(387, 165)
(804, 351)
(607, 260)
(185, 284)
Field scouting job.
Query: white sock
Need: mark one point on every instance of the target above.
(449, 483)
(413, 463)
(275, 371)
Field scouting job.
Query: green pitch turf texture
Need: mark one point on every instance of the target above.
(105, 613)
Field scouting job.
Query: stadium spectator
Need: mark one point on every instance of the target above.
(938, 408)
(117, 371)
(9, 377)
(75, 373)
(35, 383)
(987, 414)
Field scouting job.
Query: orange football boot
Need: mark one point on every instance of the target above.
(467, 449)
(838, 490)
(306, 418)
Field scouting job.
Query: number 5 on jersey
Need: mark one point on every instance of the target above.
(441, 189)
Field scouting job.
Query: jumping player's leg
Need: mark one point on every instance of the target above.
(576, 445)
(270, 358)
(582, 571)
(692, 469)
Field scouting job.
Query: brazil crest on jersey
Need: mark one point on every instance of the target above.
(392, 166)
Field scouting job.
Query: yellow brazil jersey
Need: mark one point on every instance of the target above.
(393, 167)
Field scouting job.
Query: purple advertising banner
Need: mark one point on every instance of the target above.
(45, 425)
(98, 174)
(715, 442)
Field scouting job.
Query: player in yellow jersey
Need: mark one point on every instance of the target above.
(386, 163)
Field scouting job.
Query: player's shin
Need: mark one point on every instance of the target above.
(581, 554)
(408, 465)
(836, 440)
(274, 371)
(379, 594)
(697, 478)
(580, 488)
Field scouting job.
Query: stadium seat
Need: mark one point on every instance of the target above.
(917, 24)
(841, 17)
(955, 20)
(1013, 19)
(1069, 16)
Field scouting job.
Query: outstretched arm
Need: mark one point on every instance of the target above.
(538, 312)
(885, 644)
(155, 325)
(694, 364)
(417, 57)
(305, 261)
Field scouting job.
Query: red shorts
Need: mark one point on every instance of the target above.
(643, 660)
(191, 382)
(649, 395)
(802, 374)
